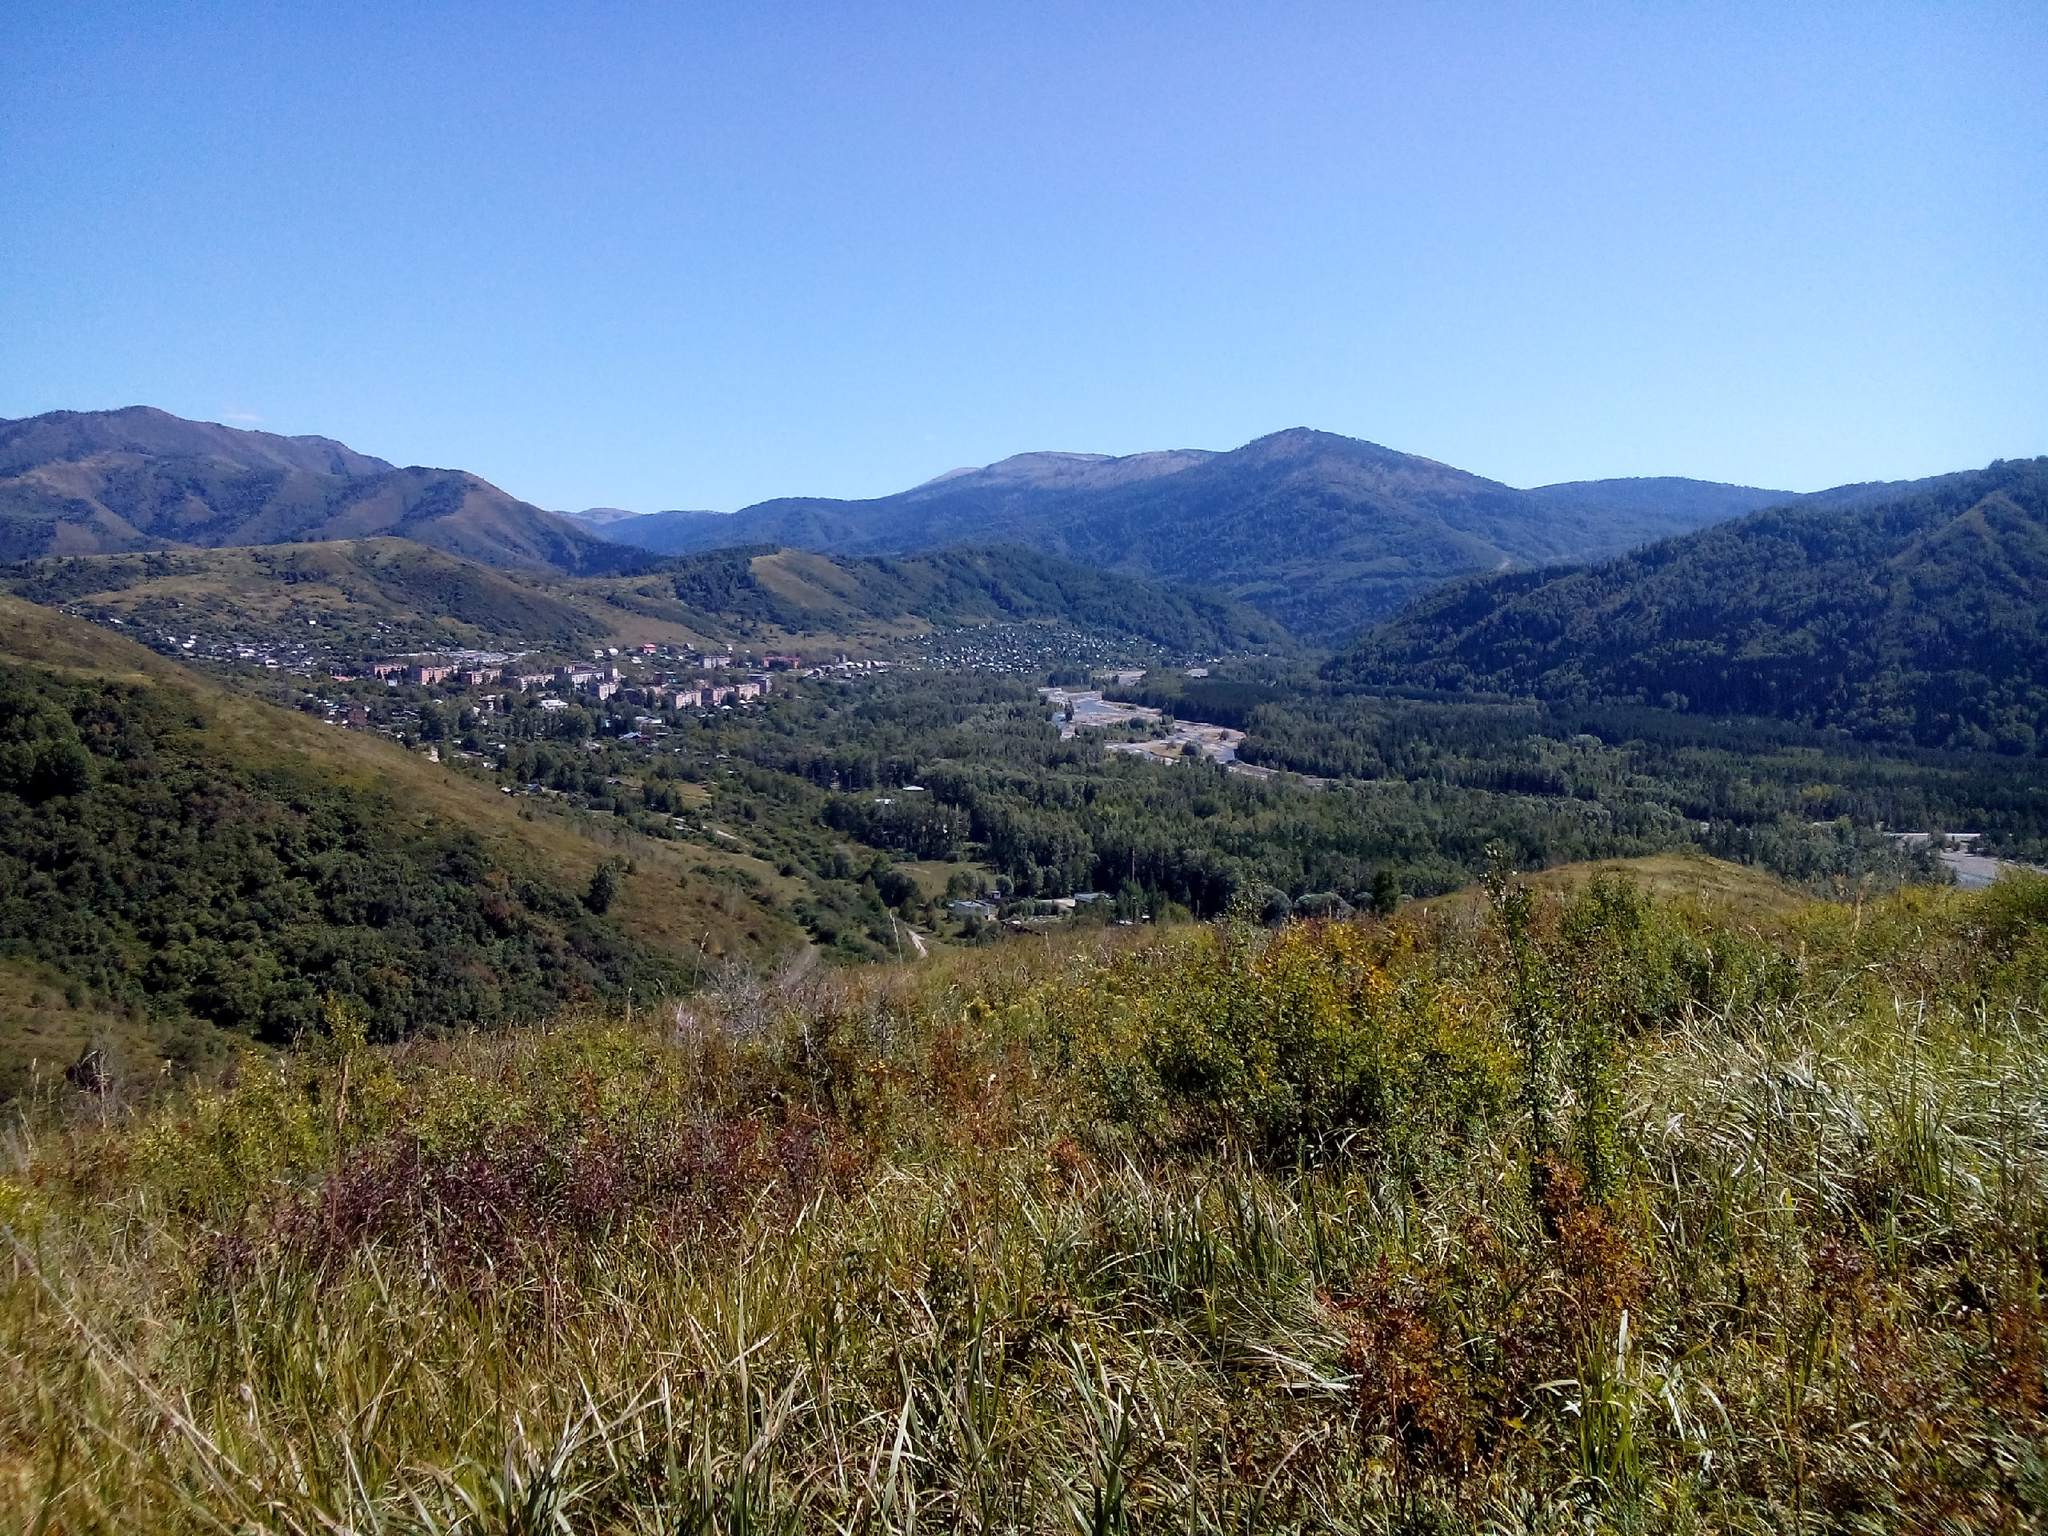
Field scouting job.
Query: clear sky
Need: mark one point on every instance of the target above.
(699, 254)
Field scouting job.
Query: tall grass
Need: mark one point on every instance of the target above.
(1221, 1230)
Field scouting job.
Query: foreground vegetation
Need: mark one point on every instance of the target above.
(1563, 1208)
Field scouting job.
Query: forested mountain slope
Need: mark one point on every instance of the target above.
(796, 592)
(1922, 617)
(1322, 532)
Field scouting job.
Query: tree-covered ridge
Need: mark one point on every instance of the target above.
(1922, 618)
(183, 866)
(171, 880)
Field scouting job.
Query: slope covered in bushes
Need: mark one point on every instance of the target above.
(1553, 1211)
(193, 869)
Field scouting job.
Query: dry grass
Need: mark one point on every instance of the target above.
(1015, 1241)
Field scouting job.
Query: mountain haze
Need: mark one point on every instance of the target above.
(1320, 531)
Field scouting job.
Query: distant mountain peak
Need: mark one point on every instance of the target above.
(1294, 438)
(89, 482)
(1318, 530)
(1065, 470)
(74, 436)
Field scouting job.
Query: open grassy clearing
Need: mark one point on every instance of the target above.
(1682, 876)
(46, 1025)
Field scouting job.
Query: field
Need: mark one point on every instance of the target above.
(1639, 1200)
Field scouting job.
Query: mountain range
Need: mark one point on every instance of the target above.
(1658, 589)
(1914, 613)
(1322, 532)
(101, 482)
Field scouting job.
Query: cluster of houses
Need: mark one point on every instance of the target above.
(1027, 915)
(604, 678)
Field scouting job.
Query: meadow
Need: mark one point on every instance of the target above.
(1578, 1206)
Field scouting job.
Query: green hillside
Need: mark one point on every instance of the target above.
(184, 866)
(1921, 618)
(376, 594)
(394, 594)
(795, 592)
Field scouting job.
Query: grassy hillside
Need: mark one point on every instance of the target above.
(394, 594)
(1733, 891)
(1595, 1212)
(795, 592)
(203, 866)
(378, 594)
(1922, 618)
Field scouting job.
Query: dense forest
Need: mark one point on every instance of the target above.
(1920, 619)
(834, 783)
(1744, 772)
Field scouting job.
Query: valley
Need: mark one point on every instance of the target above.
(540, 915)
(1077, 770)
(813, 754)
(399, 926)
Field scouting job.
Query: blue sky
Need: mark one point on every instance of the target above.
(697, 255)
